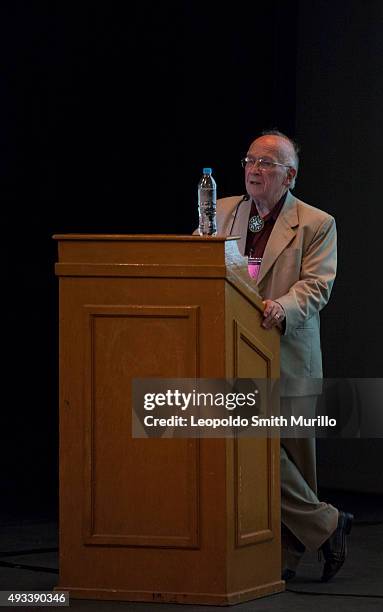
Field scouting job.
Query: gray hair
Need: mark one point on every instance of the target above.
(294, 160)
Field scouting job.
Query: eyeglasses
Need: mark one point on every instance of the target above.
(263, 164)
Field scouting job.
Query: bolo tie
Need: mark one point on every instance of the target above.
(256, 224)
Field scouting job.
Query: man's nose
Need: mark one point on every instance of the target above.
(255, 168)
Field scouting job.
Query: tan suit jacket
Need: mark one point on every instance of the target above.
(298, 270)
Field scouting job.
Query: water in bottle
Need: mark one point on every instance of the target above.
(207, 203)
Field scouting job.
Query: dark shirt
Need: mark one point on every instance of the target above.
(256, 242)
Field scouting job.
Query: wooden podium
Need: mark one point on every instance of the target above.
(160, 520)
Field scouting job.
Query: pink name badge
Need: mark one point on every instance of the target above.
(253, 266)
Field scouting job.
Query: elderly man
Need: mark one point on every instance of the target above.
(296, 245)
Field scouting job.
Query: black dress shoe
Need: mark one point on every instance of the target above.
(288, 574)
(335, 548)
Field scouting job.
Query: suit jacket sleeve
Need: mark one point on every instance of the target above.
(311, 292)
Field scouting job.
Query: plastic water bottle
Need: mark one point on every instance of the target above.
(207, 203)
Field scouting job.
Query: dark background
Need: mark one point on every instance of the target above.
(109, 112)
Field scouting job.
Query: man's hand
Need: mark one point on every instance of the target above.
(273, 314)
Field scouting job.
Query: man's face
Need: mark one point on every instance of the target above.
(267, 185)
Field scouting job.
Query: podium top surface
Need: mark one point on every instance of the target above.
(144, 237)
(143, 249)
(155, 256)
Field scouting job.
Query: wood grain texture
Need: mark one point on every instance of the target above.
(183, 520)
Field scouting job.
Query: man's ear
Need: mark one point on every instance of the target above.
(290, 177)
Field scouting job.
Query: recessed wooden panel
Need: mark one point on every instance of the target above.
(253, 490)
(251, 358)
(139, 492)
(253, 456)
(252, 353)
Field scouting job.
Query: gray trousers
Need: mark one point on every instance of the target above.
(306, 521)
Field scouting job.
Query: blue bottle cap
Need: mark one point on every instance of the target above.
(207, 171)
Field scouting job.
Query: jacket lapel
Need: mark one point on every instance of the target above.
(241, 223)
(282, 234)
